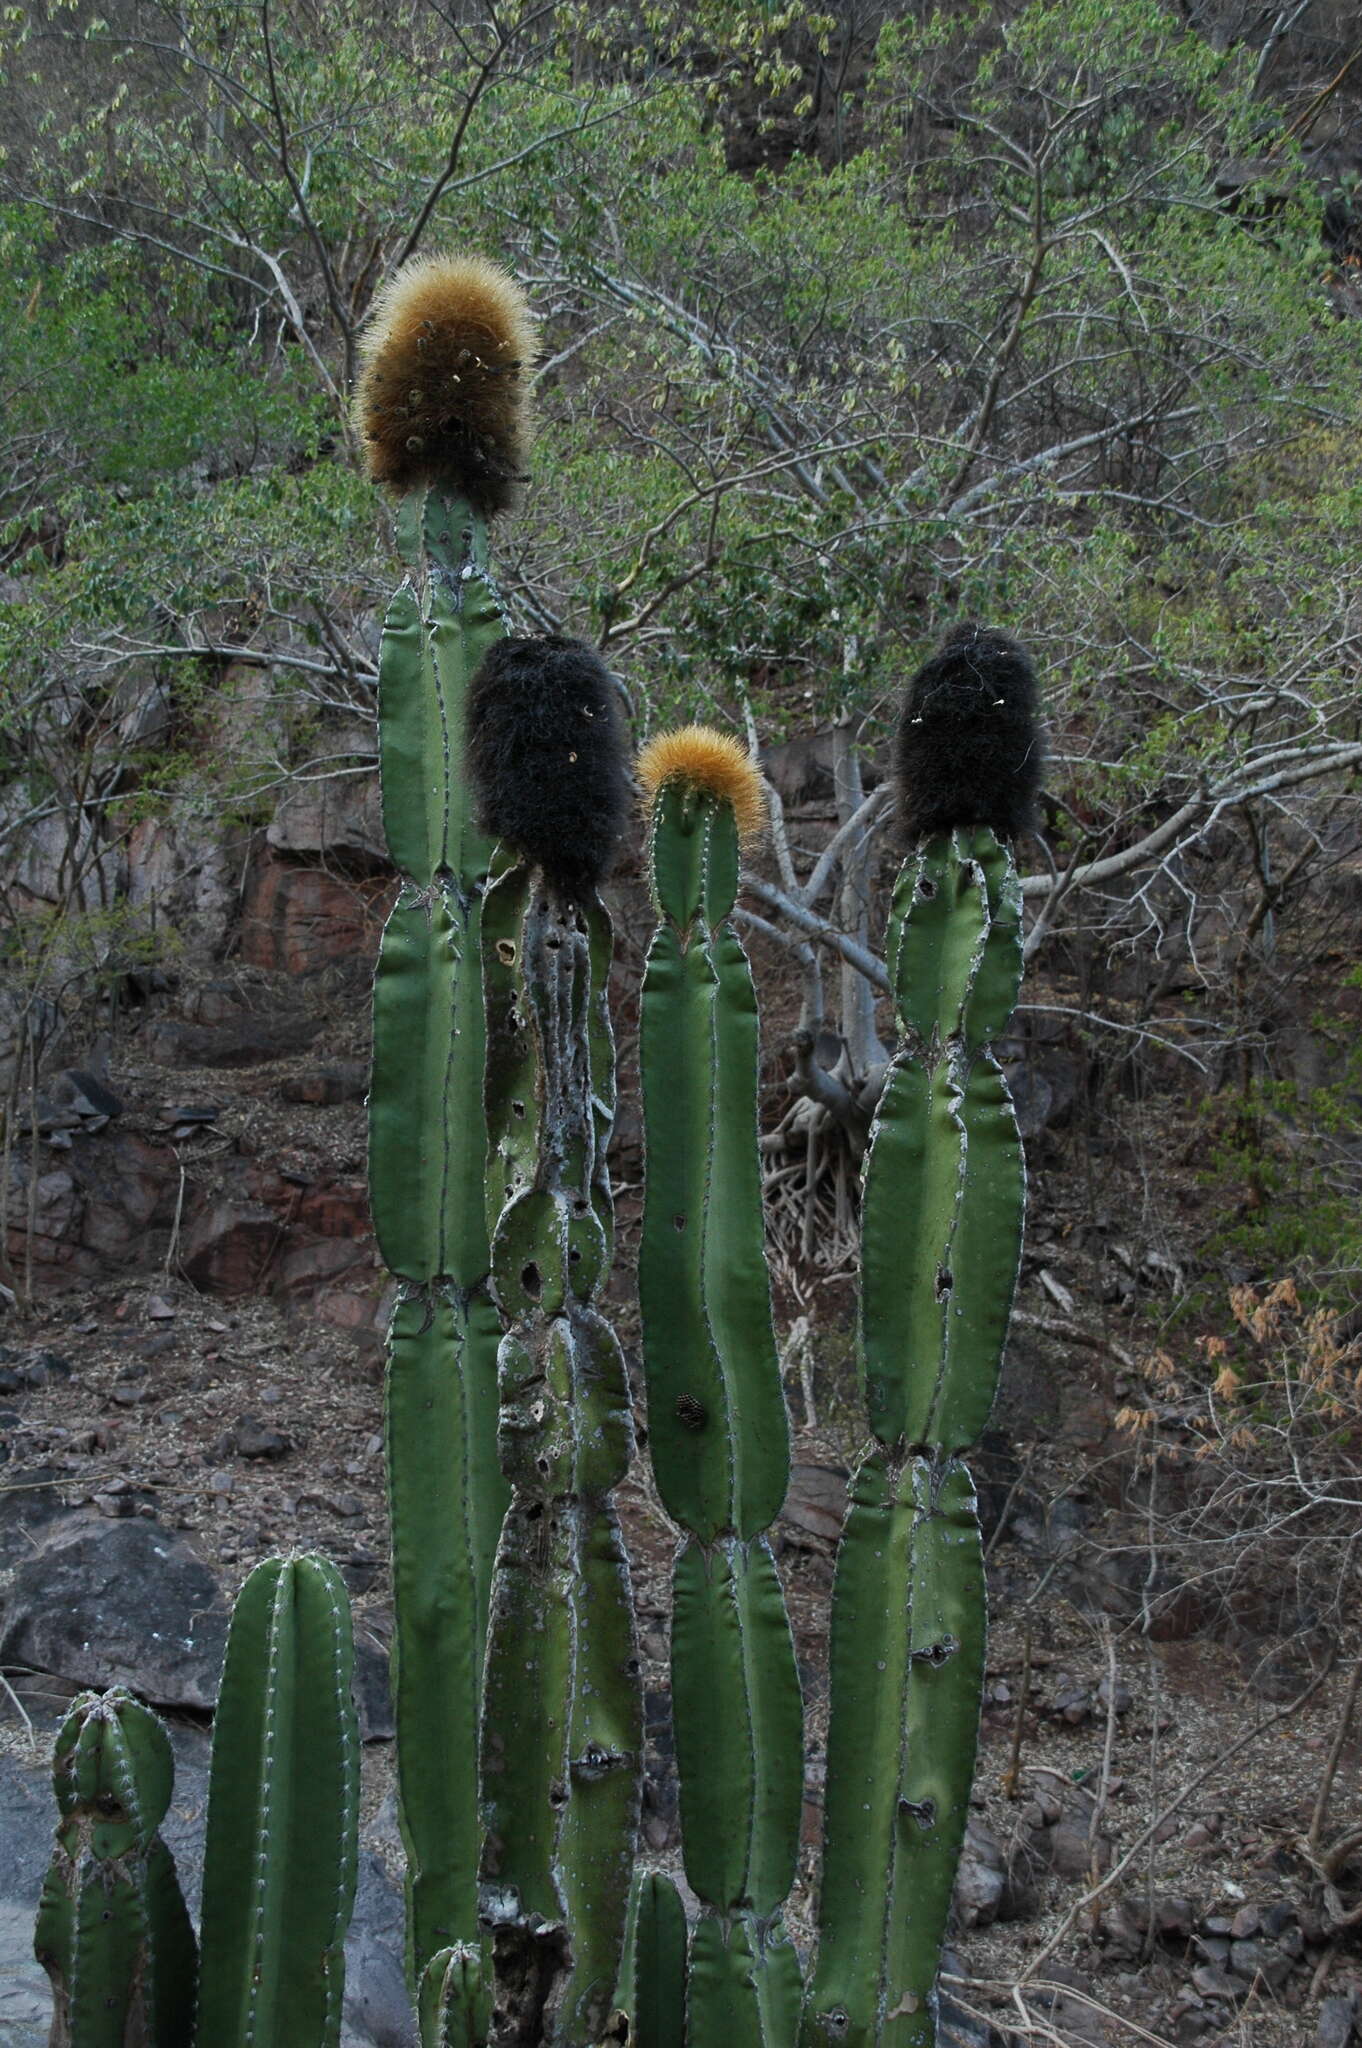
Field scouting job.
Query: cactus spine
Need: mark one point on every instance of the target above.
(941, 1242)
(441, 406)
(283, 1802)
(717, 1425)
(113, 1933)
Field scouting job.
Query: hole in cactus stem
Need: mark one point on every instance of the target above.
(937, 1653)
(574, 1257)
(926, 888)
(678, 1223)
(945, 1280)
(553, 942)
(518, 1108)
(690, 1413)
(923, 1811)
(506, 954)
(532, 1280)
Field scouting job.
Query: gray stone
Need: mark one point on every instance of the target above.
(981, 1877)
(1260, 1959)
(119, 1602)
(1335, 2029)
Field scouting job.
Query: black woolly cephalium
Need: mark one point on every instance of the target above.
(546, 753)
(968, 749)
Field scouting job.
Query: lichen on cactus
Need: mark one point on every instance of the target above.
(941, 1210)
(717, 1426)
(562, 1713)
(113, 1932)
(442, 409)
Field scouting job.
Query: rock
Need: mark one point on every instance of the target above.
(1335, 2028)
(1173, 1918)
(30, 1501)
(298, 919)
(980, 1878)
(1260, 1961)
(326, 1086)
(250, 1041)
(338, 816)
(255, 1440)
(122, 1602)
(1073, 1705)
(1072, 1853)
(1210, 1981)
(227, 1245)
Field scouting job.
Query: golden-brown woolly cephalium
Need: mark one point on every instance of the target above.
(443, 393)
(708, 760)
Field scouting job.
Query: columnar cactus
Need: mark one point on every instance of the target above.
(941, 1242)
(283, 1815)
(113, 1933)
(716, 1415)
(442, 407)
(562, 1710)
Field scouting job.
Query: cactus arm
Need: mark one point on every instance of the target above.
(716, 1411)
(173, 1956)
(911, 1190)
(737, 1282)
(688, 1433)
(446, 1499)
(744, 1986)
(738, 1725)
(596, 1838)
(864, 1756)
(984, 1256)
(653, 1992)
(944, 1685)
(282, 1839)
(410, 1164)
(454, 2000)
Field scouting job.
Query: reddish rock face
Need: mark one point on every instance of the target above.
(228, 1247)
(301, 918)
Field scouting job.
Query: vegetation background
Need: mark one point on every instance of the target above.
(1042, 312)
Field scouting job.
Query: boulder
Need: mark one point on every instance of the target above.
(123, 1602)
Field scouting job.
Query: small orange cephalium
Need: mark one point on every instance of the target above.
(443, 392)
(708, 760)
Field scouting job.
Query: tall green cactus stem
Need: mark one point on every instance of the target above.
(283, 1801)
(562, 1720)
(441, 408)
(941, 1243)
(427, 1160)
(717, 1425)
(113, 1933)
